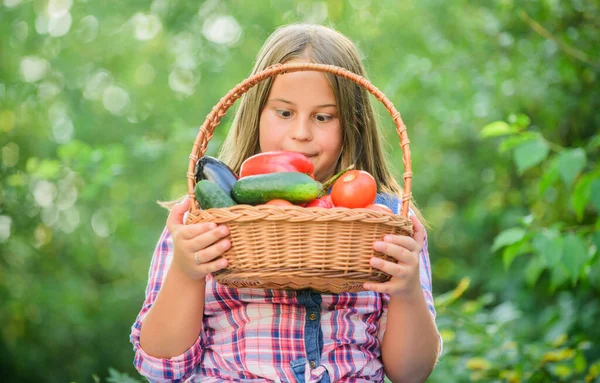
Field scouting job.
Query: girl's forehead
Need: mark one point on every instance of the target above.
(299, 85)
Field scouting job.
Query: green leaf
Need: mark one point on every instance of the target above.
(511, 252)
(530, 154)
(559, 276)
(579, 363)
(570, 164)
(534, 269)
(520, 120)
(594, 143)
(497, 128)
(514, 141)
(549, 246)
(581, 195)
(594, 274)
(119, 377)
(527, 220)
(575, 256)
(508, 237)
(596, 241)
(595, 194)
(549, 177)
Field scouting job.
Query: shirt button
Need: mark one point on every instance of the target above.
(312, 364)
(312, 316)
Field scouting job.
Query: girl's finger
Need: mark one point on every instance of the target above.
(382, 288)
(208, 238)
(213, 266)
(211, 252)
(403, 241)
(194, 230)
(393, 269)
(419, 235)
(175, 218)
(400, 254)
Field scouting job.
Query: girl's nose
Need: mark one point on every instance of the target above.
(301, 129)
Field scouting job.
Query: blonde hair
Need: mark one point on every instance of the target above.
(360, 138)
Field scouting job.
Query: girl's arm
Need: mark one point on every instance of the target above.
(411, 344)
(166, 333)
(174, 321)
(149, 365)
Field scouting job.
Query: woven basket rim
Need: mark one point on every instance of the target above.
(250, 213)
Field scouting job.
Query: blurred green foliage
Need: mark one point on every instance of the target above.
(100, 103)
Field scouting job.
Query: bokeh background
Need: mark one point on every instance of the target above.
(100, 103)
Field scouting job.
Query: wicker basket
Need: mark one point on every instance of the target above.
(290, 247)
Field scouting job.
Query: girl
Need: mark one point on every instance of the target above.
(193, 329)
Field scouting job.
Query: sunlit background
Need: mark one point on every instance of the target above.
(100, 103)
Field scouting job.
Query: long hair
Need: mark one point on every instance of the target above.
(361, 144)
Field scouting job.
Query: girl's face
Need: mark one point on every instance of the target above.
(301, 115)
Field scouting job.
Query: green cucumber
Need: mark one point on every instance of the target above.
(294, 187)
(210, 195)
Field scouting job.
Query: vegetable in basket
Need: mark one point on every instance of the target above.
(356, 189)
(276, 161)
(211, 169)
(210, 195)
(324, 202)
(291, 186)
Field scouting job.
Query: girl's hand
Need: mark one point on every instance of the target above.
(197, 245)
(405, 279)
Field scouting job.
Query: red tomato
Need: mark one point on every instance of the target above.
(321, 202)
(379, 207)
(279, 202)
(354, 189)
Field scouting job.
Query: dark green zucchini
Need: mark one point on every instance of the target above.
(210, 195)
(294, 187)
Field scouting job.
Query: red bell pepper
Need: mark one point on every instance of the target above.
(324, 201)
(276, 161)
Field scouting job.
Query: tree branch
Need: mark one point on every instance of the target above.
(568, 49)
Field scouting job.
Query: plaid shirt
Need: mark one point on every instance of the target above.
(256, 335)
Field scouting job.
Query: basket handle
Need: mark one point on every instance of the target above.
(205, 132)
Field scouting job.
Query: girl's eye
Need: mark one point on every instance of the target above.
(283, 113)
(323, 117)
